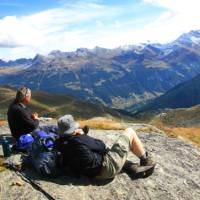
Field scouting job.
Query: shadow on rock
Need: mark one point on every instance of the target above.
(63, 178)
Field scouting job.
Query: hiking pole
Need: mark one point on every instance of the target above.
(28, 180)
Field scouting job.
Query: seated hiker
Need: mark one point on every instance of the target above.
(85, 155)
(20, 119)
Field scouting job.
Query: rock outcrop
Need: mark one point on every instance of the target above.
(176, 176)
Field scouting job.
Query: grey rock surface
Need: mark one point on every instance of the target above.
(176, 177)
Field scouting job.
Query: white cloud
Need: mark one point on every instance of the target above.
(182, 16)
(14, 32)
(91, 23)
(186, 6)
(99, 24)
(63, 28)
(117, 24)
(48, 30)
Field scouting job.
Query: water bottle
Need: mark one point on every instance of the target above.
(6, 147)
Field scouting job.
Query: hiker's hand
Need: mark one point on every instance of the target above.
(78, 132)
(34, 116)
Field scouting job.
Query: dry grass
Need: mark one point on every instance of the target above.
(108, 124)
(105, 124)
(2, 167)
(146, 129)
(189, 133)
(192, 134)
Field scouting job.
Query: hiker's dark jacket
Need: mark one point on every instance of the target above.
(19, 120)
(82, 154)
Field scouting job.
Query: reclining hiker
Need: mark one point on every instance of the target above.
(85, 155)
(42, 154)
(20, 119)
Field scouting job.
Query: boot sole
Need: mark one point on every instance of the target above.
(136, 171)
(144, 171)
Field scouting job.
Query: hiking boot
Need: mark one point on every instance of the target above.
(136, 171)
(144, 171)
(147, 161)
(130, 168)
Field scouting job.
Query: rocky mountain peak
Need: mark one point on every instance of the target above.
(188, 38)
(11, 63)
(55, 54)
(82, 52)
(38, 59)
(2, 63)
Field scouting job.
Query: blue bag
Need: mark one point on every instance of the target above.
(42, 154)
(25, 141)
(47, 139)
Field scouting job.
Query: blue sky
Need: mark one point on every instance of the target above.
(19, 7)
(28, 27)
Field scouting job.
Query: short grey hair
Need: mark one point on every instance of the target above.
(22, 92)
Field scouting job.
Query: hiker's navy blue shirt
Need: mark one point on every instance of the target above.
(82, 154)
(19, 120)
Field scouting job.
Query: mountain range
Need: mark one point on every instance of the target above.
(184, 95)
(124, 77)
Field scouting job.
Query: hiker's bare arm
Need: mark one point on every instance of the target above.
(78, 131)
